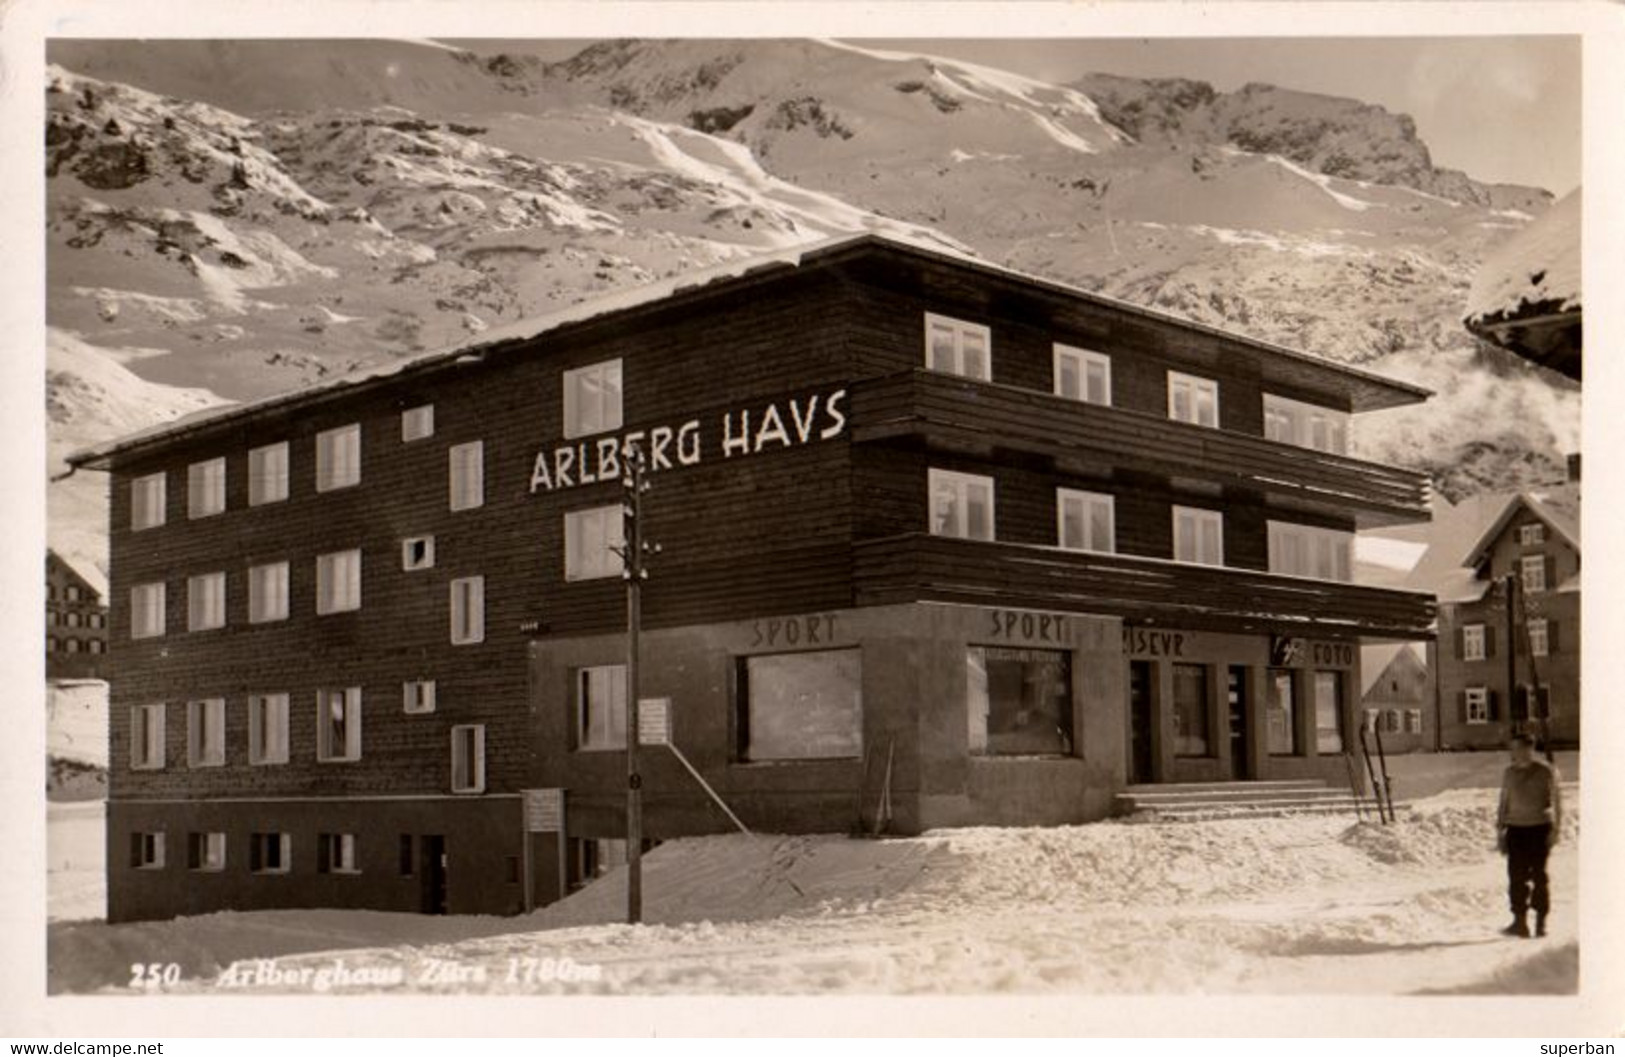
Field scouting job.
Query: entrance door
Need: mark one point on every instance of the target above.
(1236, 694)
(434, 874)
(1141, 716)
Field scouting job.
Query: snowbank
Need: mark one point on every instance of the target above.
(1539, 266)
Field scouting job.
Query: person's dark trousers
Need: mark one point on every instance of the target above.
(1526, 869)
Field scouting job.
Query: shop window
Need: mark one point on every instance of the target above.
(467, 469)
(147, 851)
(268, 728)
(338, 725)
(147, 502)
(206, 732)
(1198, 536)
(1191, 726)
(468, 758)
(268, 593)
(592, 399)
(1280, 709)
(953, 346)
(417, 423)
(600, 697)
(593, 539)
(206, 852)
(1087, 521)
(206, 488)
(270, 852)
(961, 505)
(146, 737)
(1019, 702)
(1328, 712)
(268, 474)
(338, 458)
(801, 706)
(1082, 374)
(1192, 399)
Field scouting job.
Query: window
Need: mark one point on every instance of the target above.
(73, 593)
(1306, 425)
(270, 852)
(206, 732)
(1533, 567)
(1191, 726)
(1281, 713)
(338, 582)
(72, 620)
(601, 707)
(953, 346)
(417, 696)
(1473, 642)
(1018, 702)
(338, 458)
(592, 399)
(1391, 722)
(1303, 550)
(338, 724)
(335, 853)
(146, 611)
(147, 502)
(468, 475)
(1087, 521)
(98, 646)
(1371, 717)
(1083, 375)
(206, 852)
(268, 474)
(146, 737)
(206, 602)
(1532, 534)
(50, 644)
(468, 610)
(267, 593)
(1477, 704)
(1539, 640)
(268, 728)
(801, 706)
(96, 620)
(468, 758)
(72, 645)
(961, 505)
(591, 541)
(1198, 536)
(206, 488)
(147, 851)
(417, 423)
(1328, 712)
(1413, 721)
(417, 553)
(1192, 399)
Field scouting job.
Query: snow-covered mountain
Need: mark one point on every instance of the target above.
(252, 215)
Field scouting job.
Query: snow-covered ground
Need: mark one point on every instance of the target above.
(1320, 905)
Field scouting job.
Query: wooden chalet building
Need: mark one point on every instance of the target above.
(75, 622)
(992, 544)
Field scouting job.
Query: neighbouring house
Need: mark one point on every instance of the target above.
(1397, 696)
(1526, 296)
(75, 622)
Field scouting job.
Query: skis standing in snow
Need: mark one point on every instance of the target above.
(1528, 821)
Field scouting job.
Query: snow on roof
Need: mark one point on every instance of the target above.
(1459, 534)
(1548, 510)
(609, 304)
(1539, 267)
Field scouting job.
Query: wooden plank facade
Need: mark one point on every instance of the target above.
(794, 428)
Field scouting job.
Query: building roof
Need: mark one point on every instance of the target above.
(1459, 535)
(1370, 390)
(1377, 659)
(1526, 296)
(96, 584)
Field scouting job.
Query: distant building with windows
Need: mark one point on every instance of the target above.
(75, 622)
(1397, 697)
(933, 534)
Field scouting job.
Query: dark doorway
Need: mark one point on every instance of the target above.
(1141, 716)
(1236, 695)
(434, 873)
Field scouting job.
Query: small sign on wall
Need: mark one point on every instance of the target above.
(544, 810)
(654, 721)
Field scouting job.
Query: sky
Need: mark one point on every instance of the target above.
(1502, 109)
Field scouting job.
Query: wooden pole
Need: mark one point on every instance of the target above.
(1512, 644)
(633, 561)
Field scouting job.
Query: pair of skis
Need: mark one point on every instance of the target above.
(1382, 791)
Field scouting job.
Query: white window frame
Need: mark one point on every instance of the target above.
(1478, 705)
(152, 841)
(958, 330)
(1071, 497)
(408, 564)
(1306, 425)
(148, 605)
(418, 697)
(284, 842)
(466, 475)
(1413, 721)
(338, 458)
(213, 859)
(594, 399)
(1082, 360)
(1196, 387)
(1532, 534)
(148, 501)
(147, 749)
(268, 592)
(206, 601)
(1296, 550)
(417, 423)
(277, 706)
(338, 582)
(611, 679)
(206, 732)
(340, 853)
(1532, 584)
(268, 474)
(591, 538)
(960, 484)
(1540, 643)
(206, 488)
(350, 699)
(1474, 642)
(467, 610)
(1371, 715)
(1199, 516)
(468, 783)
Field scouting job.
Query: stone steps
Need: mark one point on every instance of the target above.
(1203, 801)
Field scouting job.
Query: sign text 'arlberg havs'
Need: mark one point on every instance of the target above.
(801, 420)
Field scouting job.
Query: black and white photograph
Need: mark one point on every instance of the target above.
(884, 507)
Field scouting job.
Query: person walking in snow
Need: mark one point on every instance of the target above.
(1528, 820)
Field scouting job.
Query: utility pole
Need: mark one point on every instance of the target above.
(635, 572)
(1512, 649)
